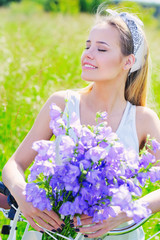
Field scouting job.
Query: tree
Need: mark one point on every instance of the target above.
(6, 2)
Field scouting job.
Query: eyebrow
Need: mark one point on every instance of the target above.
(101, 42)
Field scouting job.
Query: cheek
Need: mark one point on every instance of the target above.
(110, 62)
(82, 57)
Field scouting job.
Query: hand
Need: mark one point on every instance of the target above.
(47, 219)
(100, 228)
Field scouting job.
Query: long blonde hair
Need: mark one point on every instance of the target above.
(136, 82)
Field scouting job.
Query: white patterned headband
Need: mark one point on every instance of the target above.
(140, 49)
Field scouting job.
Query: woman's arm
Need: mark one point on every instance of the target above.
(13, 172)
(148, 123)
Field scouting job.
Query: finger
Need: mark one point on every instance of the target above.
(33, 224)
(92, 228)
(43, 224)
(84, 222)
(84, 216)
(54, 216)
(87, 221)
(96, 234)
(51, 224)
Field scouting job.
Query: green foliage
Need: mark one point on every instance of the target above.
(83, 6)
(7, 2)
(64, 6)
(89, 5)
(49, 5)
(69, 6)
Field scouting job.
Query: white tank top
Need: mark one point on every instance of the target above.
(127, 128)
(128, 135)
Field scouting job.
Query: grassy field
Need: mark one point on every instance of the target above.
(40, 54)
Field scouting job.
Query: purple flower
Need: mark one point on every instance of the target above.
(109, 211)
(58, 126)
(98, 216)
(37, 196)
(84, 191)
(93, 177)
(84, 164)
(95, 154)
(155, 145)
(121, 196)
(75, 124)
(154, 174)
(80, 148)
(79, 221)
(45, 167)
(66, 146)
(80, 205)
(88, 138)
(74, 186)
(67, 208)
(142, 177)
(133, 187)
(138, 210)
(45, 149)
(105, 134)
(96, 172)
(56, 183)
(55, 111)
(72, 172)
(132, 159)
(146, 159)
(102, 115)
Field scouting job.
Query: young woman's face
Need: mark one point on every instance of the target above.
(102, 60)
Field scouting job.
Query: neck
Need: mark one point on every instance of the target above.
(107, 96)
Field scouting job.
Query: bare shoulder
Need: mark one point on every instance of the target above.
(146, 114)
(147, 122)
(43, 118)
(58, 98)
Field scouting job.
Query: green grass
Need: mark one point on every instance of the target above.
(40, 54)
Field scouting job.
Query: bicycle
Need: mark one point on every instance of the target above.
(15, 216)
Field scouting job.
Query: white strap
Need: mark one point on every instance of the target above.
(50, 233)
(13, 228)
(154, 235)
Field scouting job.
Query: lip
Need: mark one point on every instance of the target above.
(89, 66)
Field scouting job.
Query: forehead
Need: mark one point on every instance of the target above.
(105, 32)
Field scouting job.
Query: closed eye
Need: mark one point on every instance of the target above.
(102, 50)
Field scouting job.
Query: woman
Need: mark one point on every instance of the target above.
(116, 62)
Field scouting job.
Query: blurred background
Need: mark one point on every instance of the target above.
(41, 42)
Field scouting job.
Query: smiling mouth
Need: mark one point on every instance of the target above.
(89, 66)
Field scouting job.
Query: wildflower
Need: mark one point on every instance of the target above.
(95, 174)
(55, 111)
(95, 153)
(138, 210)
(37, 196)
(58, 126)
(155, 145)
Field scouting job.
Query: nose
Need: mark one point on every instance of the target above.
(89, 53)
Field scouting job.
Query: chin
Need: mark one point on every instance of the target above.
(87, 78)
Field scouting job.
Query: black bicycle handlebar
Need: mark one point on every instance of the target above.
(3, 189)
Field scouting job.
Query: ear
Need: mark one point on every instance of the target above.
(129, 61)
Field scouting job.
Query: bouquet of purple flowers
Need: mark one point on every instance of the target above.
(87, 170)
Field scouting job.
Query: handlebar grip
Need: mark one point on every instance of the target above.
(3, 189)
